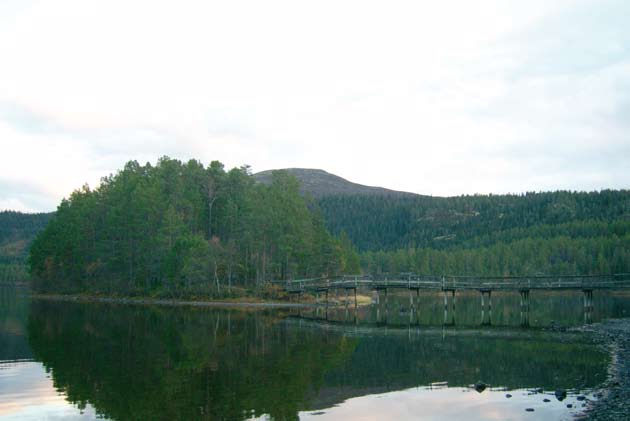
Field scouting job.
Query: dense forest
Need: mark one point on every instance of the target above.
(182, 228)
(534, 233)
(17, 231)
(388, 222)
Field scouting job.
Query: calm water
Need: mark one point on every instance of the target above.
(62, 360)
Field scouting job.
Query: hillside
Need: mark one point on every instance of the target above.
(17, 232)
(535, 233)
(377, 223)
(319, 183)
(548, 232)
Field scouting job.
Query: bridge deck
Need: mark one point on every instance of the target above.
(450, 283)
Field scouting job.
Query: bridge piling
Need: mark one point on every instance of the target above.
(588, 299)
(524, 293)
(588, 305)
(483, 306)
(445, 302)
(418, 305)
(386, 306)
(453, 299)
(446, 306)
(490, 307)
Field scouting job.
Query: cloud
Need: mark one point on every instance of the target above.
(437, 98)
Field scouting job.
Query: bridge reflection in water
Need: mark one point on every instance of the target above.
(449, 286)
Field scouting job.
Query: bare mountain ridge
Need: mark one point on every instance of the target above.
(319, 183)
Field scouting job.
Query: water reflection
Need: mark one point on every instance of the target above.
(14, 309)
(191, 363)
(27, 392)
(448, 404)
(139, 362)
(488, 308)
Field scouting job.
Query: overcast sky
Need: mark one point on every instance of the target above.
(441, 97)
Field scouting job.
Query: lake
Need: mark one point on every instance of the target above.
(69, 360)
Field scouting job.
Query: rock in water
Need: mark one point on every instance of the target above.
(561, 394)
(480, 386)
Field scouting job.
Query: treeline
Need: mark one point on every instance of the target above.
(534, 233)
(177, 228)
(560, 255)
(394, 222)
(18, 225)
(17, 231)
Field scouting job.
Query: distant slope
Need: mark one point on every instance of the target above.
(319, 183)
(17, 231)
(376, 218)
(379, 223)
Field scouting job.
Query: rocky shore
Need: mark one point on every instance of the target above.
(614, 404)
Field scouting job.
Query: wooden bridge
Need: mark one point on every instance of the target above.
(450, 284)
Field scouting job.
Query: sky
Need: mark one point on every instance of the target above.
(441, 97)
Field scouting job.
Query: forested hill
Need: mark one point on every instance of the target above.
(17, 231)
(318, 183)
(173, 226)
(535, 233)
(388, 223)
(180, 228)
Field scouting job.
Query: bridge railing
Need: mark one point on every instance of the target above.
(537, 282)
(413, 281)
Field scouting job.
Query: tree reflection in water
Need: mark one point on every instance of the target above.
(138, 362)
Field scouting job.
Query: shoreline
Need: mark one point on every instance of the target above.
(191, 302)
(613, 335)
(170, 302)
